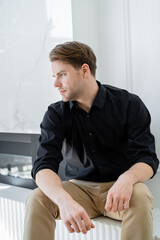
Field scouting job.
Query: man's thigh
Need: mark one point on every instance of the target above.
(91, 196)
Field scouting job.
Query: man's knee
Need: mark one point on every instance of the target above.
(141, 198)
(38, 200)
(35, 196)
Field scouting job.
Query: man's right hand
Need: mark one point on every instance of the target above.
(75, 217)
(72, 214)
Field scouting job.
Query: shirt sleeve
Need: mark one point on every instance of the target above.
(49, 153)
(141, 141)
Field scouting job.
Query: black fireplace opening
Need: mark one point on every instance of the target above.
(17, 153)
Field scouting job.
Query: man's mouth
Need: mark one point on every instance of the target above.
(62, 91)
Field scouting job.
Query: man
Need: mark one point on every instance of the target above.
(106, 140)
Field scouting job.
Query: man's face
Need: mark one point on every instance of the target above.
(68, 80)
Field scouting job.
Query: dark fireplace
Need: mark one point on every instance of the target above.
(17, 154)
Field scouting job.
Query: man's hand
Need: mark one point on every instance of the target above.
(75, 217)
(119, 195)
(72, 214)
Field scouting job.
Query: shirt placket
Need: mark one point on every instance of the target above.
(90, 136)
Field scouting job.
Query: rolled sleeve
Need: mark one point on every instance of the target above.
(49, 153)
(141, 142)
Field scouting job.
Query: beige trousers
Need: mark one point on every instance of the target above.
(41, 212)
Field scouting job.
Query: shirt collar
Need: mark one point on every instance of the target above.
(99, 99)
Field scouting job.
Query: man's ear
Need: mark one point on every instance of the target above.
(85, 70)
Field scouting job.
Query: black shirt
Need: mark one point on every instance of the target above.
(98, 145)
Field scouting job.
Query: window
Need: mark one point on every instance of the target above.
(28, 31)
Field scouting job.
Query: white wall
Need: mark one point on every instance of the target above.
(85, 23)
(145, 48)
(100, 25)
(111, 43)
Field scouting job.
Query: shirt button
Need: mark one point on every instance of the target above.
(93, 151)
(90, 134)
(88, 115)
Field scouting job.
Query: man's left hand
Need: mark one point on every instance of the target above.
(119, 195)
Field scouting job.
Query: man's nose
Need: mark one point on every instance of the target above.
(57, 83)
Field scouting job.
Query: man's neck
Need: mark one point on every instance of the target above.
(89, 96)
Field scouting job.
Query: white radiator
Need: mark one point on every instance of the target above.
(105, 229)
(12, 218)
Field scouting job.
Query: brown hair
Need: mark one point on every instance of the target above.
(76, 54)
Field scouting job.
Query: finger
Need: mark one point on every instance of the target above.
(120, 206)
(82, 226)
(92, 225)
(109, 202)
(87, 223)
(126, 205)
(114, 206)
(69, 227)
(74, 226)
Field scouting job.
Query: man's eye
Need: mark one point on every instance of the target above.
(62, 74)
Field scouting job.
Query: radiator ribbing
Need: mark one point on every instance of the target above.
(105, 229)
(12, 219)
(12, 214)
